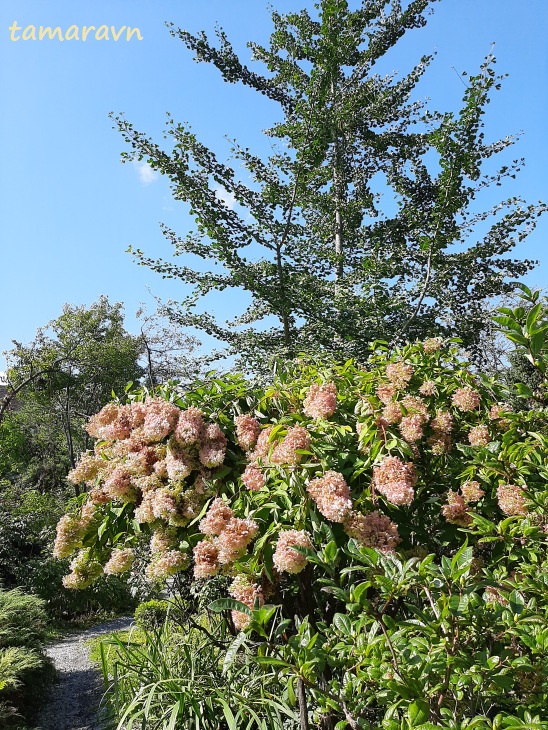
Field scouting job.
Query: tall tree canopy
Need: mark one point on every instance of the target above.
(362, 224)
(66, 373)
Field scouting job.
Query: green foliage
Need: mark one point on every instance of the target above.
(66, 373)
(526, 326)
(314, 240)
(419, 598)
(151, 615)
(24, 670)
(171, 679)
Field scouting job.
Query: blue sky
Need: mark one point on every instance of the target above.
(69, 209)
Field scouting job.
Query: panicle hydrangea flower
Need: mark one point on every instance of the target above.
(163, 504)
(374, 530)
(466, 399)
(168, 563)
(414, 405)
(286, 452)
(120, 561)
(118, 485)
(234, 539)
(511, 500)
(411, 427)
(160, 419)
(120, 428)
(320, 401)
(440, 443)
(253, 478)
(392, 413)
(479, 436)
(163, 540)
(498, 410)
(213, 446)
(106, 416)
(428, 388)
(263, 445)
(242, 590)
(145, 511)
(395, 480)
(471, 492)
(285, 558)
(190, 426)
(178, 463)
(399, 374)
(454, 510)
(443, 422)
(332, 496)
(432, 344)
(137, 413)
(160, 469)
(386, 393)
(191, 504)
(98, 495)
(85, 570)
(86, 470)
(69, 536)
(247, 431)
(206, 559)
(218, 516)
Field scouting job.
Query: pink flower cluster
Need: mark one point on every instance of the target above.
(479, 436)
(120, 561)
(247, 431)
(386, 393)
(253, 478)
(395, 480)
(286, 452)
(285, 558)
(428, 388)
(146, 453)
(229, 538)
(241, 589)
(455, 510)
(432, 344)
(321, 400)
(332, 496)
(399, 374)
(373, 530)
(511, 500)
(166, 564)
(466, 399)
(472, 492)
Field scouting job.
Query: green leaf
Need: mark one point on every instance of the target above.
(343, 624)
(229, 604)
(418, 712)
(232, 651)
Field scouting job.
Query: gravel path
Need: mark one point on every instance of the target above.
(74, 700)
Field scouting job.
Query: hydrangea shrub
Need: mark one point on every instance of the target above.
(408, 473)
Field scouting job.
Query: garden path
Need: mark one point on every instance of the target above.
(74, 701)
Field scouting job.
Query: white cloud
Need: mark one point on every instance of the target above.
(146, 174)
(228, 198)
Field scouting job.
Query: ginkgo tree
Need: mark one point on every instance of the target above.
(363, 223)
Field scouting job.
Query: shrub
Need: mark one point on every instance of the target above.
(151, 615)
(24, 671)
(382, 511)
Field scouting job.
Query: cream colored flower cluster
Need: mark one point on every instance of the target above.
(285, 558)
